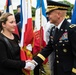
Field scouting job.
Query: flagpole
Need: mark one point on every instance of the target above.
(40, 25)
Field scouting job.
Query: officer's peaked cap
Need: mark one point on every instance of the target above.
(52, 5)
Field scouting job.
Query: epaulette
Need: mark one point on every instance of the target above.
(72, 25)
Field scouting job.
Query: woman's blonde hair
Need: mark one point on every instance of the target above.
(4, 18)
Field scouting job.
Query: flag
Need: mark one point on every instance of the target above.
(9, 8)
(40, 25)
(73, 20)
(27, 31)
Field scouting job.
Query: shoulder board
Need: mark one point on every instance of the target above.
(72, 25)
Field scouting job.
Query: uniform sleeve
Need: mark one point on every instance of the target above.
(44, 53)
(72, 38)
(9, 63)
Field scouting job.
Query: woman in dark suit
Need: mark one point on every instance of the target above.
(10, 63)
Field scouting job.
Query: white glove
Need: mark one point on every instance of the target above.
(29, 66)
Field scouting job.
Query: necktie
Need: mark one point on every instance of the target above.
(56, 32)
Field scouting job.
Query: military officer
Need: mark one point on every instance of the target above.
(62, 41)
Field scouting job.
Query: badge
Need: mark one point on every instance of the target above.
(64, 36)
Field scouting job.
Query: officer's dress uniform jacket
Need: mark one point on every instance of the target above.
(64, 45)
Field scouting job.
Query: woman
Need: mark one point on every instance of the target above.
(10, 63)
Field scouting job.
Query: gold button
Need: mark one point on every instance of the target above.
(61, 29)
(57, 56)
(63, 44)
(56, 50)
(55, 44)
(57, 61)
(65, 50)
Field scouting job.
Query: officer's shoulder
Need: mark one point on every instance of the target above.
(72, 26)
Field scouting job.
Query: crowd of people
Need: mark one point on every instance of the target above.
(61, 43)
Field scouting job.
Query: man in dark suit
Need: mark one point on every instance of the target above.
(62, 41)
(17, 15)
(18, 21)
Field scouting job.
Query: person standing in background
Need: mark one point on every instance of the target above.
(17, 15)
(18, 21)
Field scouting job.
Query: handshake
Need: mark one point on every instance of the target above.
(30, 65)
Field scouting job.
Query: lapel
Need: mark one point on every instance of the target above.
(61, 31)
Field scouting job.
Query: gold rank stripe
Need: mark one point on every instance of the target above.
(41, 56)
(49, 8)
(72, 26)
(74, 70)
(57, 7)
